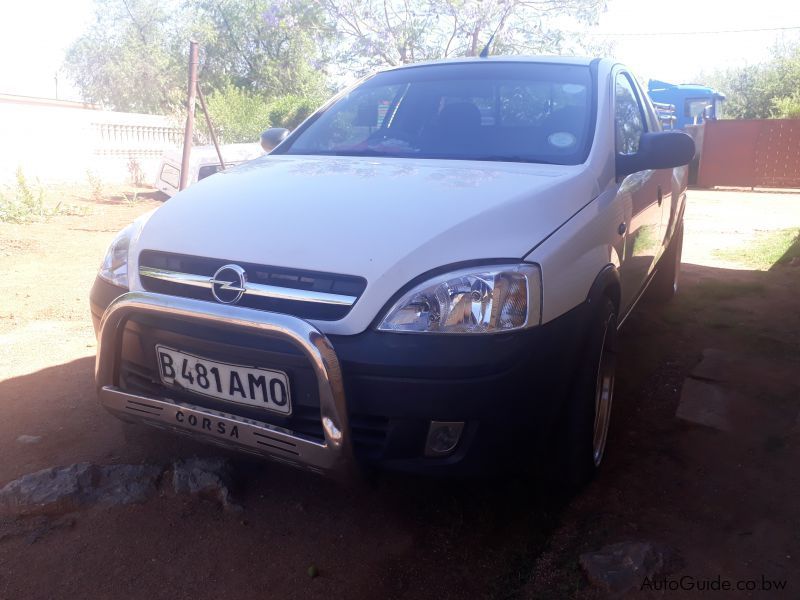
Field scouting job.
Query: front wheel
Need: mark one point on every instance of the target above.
(583, 431)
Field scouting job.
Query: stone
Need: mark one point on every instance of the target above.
(29, 439)
(124, 484)
(716, 365)
(52, 490)
(705, 403)
(618, 568)
(59, 490)
(206, 477)
(63, 489)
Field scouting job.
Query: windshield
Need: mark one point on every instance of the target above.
(516, 112)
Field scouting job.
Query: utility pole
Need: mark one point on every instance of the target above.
(187, 134)
(56, 79)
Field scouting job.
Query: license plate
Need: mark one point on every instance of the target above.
(264, 388)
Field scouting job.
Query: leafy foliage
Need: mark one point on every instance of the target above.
(374, 33)
(130, 59)
(787, 107)
(133, 58)
(290, 111)
(268, 62)
(267, 47)
(241, 116)
(767, 90)
(26, 203)
(236, 115)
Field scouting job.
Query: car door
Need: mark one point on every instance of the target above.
(671, 182)
(640, 195)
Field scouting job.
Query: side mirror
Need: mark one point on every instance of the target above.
(658, 150)
(272, 137)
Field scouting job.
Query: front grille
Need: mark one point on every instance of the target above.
(369, 435)
(277, 277)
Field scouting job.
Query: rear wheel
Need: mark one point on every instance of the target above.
(665, 282)
(583, 431)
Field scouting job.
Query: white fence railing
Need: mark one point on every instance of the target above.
(63, 141)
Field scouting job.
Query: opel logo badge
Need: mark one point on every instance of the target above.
(229, 283)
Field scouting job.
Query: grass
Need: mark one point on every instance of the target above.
(706, 304)
(24, 202)
(767, 249)
(97, 192)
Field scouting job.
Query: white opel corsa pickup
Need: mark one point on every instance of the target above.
(427, 275)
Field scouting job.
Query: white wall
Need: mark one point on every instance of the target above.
(58, 141)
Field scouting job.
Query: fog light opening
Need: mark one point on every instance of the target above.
(443, 437)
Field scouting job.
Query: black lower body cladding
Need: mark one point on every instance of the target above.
(506, 388)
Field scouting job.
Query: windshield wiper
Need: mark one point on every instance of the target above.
(519, 159)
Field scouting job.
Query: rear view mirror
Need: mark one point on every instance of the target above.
(367, 115)
(272, 137)
(658, 150)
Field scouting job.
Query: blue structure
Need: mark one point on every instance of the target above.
(692, 102)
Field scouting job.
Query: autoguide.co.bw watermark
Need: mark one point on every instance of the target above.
(689, 583)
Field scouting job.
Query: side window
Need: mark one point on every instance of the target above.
(628, 118)
(650, 113)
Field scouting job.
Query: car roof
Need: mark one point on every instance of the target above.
(560, 60)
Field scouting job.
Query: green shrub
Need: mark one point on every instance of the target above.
(26, 204)
(236, 115)
(787, 107)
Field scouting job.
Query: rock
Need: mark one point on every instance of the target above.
(60, 490)
(53, 490)
(618, 568)
(64, 489)
(716, 365)
(29, 439)
(124, 484)
(206, 477)
(705, 404)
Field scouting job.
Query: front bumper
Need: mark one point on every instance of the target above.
(333, 455)
(378, 390)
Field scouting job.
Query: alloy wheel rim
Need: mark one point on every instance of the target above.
(604, 395)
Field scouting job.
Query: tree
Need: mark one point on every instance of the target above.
(270, 47)
(134, 56)
(127, 60)
(392, 32)
(762, 91)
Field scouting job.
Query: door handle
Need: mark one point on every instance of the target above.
(660, 195)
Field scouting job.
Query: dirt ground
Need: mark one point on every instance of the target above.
(723, 502)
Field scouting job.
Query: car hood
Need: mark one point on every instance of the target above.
(385, 219)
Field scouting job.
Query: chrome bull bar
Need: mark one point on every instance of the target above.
(333, 457)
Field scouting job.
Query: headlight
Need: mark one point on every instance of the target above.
(115, 265)
(491, 299)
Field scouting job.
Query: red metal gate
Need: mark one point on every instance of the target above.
(751, 153)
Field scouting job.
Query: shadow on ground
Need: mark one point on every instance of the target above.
(719, 500)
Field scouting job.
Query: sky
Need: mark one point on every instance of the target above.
(657, 40)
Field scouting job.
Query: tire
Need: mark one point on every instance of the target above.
(665, 282)
(583, 430)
